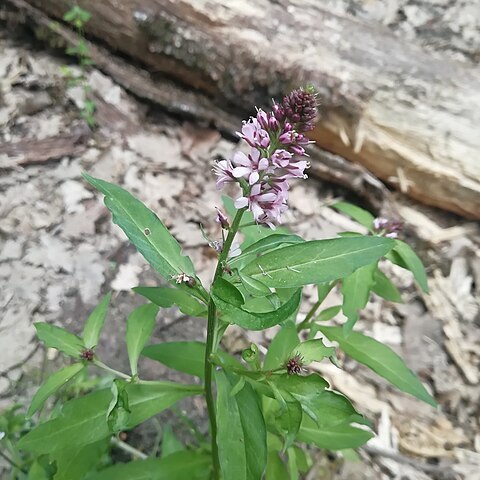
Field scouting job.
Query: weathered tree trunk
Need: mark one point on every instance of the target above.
(410, 118)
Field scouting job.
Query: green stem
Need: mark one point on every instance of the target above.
(128, 448)
(211, 329)
(101, 365)
(12, 462)
(310, 314)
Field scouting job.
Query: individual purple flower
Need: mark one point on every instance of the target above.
(222, 220)
(223, 169)
(281, 158)
(266, 201)
(234, 251)
(249, 166)
(253, 133)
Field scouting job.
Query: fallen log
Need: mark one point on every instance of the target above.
(410, 118)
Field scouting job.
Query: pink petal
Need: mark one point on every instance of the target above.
(241, 202)
(241, 171)
(254, 176)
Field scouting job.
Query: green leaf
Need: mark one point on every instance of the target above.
(276, 469)
(247, 319)
(167, 297)
(282, 345)
(95, 322)
(241, 435)
(59, 338)
(381, 359)
(356, 291)
(360, 215)
(412, 263)
(312, 351)
(83, 420)
(177, 466)
(140, 325)
(187, 357)
(384, 288)
(228, 292)
(337, 437)
(328, 313)
(316, 261)
(145, 230)
(52, 384)
(170, 443)
(329, 408)
(323, 289)
(288, 421)
(118, 411)
(254, 287)
(305, 390)
(74, 463)
(266, 244)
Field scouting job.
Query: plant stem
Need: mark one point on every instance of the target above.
(12, 463)
(100, 364)
(310, 314)
(128, 448)
(211, 329)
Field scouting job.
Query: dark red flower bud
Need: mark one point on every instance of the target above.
(294, 365)
(87, 354)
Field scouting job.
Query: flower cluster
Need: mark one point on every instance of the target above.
(387, 228)
(277, 143)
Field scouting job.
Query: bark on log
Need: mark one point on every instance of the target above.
(387, 104)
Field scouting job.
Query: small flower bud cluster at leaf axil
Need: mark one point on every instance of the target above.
(277, 143)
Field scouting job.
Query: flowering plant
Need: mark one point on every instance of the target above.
(263, 409)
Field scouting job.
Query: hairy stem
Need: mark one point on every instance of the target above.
(211, 329)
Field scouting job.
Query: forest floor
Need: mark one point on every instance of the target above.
(59, 252)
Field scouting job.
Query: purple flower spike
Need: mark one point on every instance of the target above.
(276, 143)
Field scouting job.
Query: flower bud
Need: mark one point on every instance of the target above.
(222, 220)
(300, 108)
(278, 112)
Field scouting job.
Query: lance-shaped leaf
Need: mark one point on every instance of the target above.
(84, 420)
(409, 260)
(266, 244)
(53, 384)
(337, 437)
(187, 357)
(59, 338)
(222, 295)
(316, 261)
(179, 465)
(167, 297)
(381, 359)
(281, 347)
(144, 229)
(360, 215)
(95, 322)
(170, 443)
(140, 326)
(356, 290)
(385, 288)
(288, 421)
(276, 469)
(75, 463)
(242, 436)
